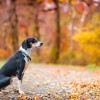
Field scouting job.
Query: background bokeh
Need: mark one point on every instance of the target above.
(69, 29)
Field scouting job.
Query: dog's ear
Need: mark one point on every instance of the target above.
(25, 44)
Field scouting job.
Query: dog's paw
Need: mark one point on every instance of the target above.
(21, 92)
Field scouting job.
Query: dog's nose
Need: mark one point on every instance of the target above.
(41, 43)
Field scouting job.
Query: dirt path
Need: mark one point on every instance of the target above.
(48, 82)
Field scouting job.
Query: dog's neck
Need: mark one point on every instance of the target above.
(27, 52)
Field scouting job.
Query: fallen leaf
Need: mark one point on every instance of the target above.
(23, 97)
(74, 95)
(37, 98)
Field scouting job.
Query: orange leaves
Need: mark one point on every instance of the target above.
(80, 8)
(62, 1)
(23, 29)
(74, 95)
(38, 1)
(44, 1)
(23, 97)
(58, 83)
(2, 53)
(37, 98)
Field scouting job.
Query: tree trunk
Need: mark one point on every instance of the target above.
(13, 21)
(36, 22)
(57, 38)
(71, 32)
(36, 14)
(72, 16)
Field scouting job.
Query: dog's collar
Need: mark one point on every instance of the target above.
(25, 55)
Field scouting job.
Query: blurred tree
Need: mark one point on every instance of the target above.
(89, 37)
(39, 17)
(13, 21)
(71, 27)
(56, 51)
(89, 45)
(36, 5)
(53, 5)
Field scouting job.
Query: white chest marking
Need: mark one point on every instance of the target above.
(28, 52)
(26, 63)
(26, 60)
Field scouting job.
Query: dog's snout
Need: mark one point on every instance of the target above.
(41, 43)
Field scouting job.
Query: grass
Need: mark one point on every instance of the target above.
(2, 62)
(93, 67)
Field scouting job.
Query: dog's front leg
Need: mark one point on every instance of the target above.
(20, 87)
(20, 75)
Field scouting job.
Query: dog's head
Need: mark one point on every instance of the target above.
(31, 43)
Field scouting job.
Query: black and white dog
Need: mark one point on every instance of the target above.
(18, 63)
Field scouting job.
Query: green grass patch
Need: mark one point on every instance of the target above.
(2, 62)
(93, 67)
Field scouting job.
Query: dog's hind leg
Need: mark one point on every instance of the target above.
(4, 81)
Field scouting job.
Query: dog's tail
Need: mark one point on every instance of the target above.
(4, 81)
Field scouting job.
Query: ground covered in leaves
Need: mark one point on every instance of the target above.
(50, 82)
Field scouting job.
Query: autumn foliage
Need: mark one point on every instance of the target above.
(70, 29)
(89, 45)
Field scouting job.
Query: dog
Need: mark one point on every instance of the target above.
(18, 63)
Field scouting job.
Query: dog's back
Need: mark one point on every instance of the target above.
(10, 67)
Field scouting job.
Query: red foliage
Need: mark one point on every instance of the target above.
(80, 7)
